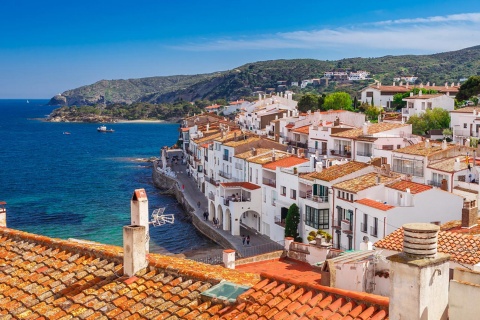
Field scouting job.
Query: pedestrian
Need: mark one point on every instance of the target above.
(248, 240)
(198, 204)
(243, 239)
(183, 187)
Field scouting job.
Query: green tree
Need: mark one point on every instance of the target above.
(355, 103)
(398, 102)
(373, 112)
(338, 101)
(432, 119)
(308, 101)
(469, 88)
(292, 221)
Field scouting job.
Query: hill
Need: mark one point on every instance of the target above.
(245, 80)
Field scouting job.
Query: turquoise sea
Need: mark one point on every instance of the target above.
(79, 185)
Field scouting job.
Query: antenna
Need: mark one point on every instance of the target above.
(159, 219)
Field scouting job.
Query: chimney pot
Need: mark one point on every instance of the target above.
(420, 239)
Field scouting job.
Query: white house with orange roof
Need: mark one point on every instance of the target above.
(382, 95)
(373, 140)
(465, 123)
(419, 104)
(373, 205)
(213, 108)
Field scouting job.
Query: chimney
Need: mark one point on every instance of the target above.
(420, 93)
(139, 212)
(378, 179)
(406, 85)
(254, 152)
(235, 136)
(411, 94)
(427, 144)
(444, 144)
(428, 84)
(393, 83)
(456, 164)
(273, 155)
(3, 214)
(312, 163)
(419, 276)
(433, 85)
(134, 254)
(365, 129)
(319, 166)
(208, 126)
(444, 185)
(469, 214)
(299, 152)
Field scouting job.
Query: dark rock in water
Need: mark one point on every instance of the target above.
(58, 100)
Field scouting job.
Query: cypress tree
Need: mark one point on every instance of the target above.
(292, 221)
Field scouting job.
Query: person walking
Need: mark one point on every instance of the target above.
(248, 240)
(243, 239)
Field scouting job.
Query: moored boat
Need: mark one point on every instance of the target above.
(104, 129)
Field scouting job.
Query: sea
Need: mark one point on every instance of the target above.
(79, 185)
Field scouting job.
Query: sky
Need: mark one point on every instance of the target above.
(49, 46)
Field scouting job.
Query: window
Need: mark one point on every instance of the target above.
(464, 126)
(317, 218)
(283, 190)
(293, 194)
(364, 224)
(264, 194)
(374, 228)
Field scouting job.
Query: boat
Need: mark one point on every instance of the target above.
(66, 132)
(104, 129)
(28, 101)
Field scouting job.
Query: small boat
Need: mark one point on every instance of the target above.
(66, 132)
(104, 129)
(28, 101)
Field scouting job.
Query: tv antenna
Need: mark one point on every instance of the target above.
(159, 218)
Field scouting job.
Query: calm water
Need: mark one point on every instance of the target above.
(80, 185)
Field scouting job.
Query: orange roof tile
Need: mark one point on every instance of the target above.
(462, 248)
(205, 145)
(338, 171)
(289, 126)
(213, 106)
(419, 149)
(375, 204)
(41, 277)
(373, 128)
(185, 129)
(246, 185)
(466, 110)
(285, 163)
(364, 182)
(413, 186)
(303, 129)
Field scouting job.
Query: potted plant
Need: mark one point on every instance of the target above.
(294, 170)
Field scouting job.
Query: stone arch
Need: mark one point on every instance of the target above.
(220, 215)
(211, 209)
(228, 220)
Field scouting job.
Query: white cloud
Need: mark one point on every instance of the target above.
(416, 35)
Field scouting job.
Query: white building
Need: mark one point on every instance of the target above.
(419, 104)
(465, 123)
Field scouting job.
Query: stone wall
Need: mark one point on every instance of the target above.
(262, 257)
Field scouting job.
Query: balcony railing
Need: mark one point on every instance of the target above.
(225, 157)
(373, 231)
(320, 151)
(226, 175)
(418, 171)
(316, 198)
(347, 226)
(336, 224)
(279, 221)
(434, 183)
(363, 227)
(340, 153)
(364, 153)
(212, 181)
(298, 144)
(270, 182)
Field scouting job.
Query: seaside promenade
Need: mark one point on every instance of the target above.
(258, 243)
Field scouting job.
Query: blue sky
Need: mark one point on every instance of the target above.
(49, 46)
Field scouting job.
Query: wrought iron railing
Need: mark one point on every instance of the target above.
(270, 182)
(226, 175)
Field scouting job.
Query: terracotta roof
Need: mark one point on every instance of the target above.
(58, 279)
(277, 297)
(185, 129)
(230, 135)
(240, 142)
(373, 128)
(375, 204)
(424, 96)
(285, 163)
(290, 125)
(212, 135)
(246, 185)
(462, 248)
(303, 129)
(205, 145)
(41, 277)
(338, 171)
(248, 154)
(213, 106)
(263, 158)
(420, 150)
(364, 182)
(414, 187)
(404, 88)
(448, 165)
(466, 110)
(236, 102)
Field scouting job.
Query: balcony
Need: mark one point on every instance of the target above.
(226, 175)
(347, 226)
(225, 157)
(337, 153)
(434, 183)
(364, 153)
(315, 198)
(279, 221)
(363, 227)
(270, 182)
(336, 224)
(298, 144)
(320, 151)
(212, 181)
(374, 231)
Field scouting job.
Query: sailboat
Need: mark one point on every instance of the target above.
(28, 101)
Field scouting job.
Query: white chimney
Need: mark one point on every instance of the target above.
(208, 126)
(444, 144)
(134, 254)
(365, 128)
(420, 92)
(312, 162)
(427, 144)
(419, 276)
(411, 94)
(3, 214)
(139, 212)
(456, 164)
(319, 166)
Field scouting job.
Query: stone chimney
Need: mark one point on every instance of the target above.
(3, 214)
(469, 214)
(419, 276)
(134, 254)
(139, 212)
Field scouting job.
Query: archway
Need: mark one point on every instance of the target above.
(228, 220)
(220, 215)
(211, 210)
